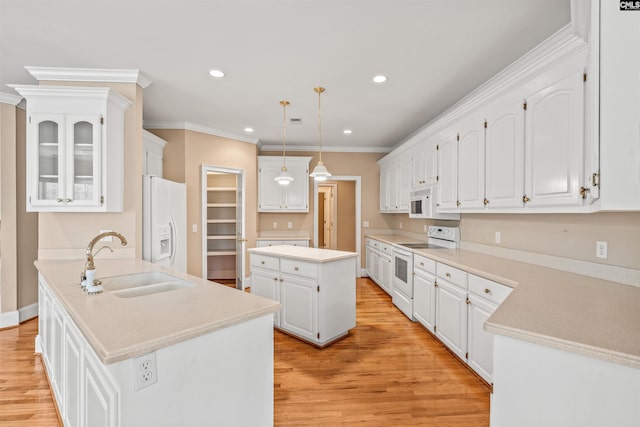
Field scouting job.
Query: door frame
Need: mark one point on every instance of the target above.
(240, 213)
(333, 217)
(358, 181)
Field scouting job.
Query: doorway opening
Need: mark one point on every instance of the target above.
(337, 213)
(223, 238)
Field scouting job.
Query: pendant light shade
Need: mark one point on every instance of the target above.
(320, 172)
(284, 178)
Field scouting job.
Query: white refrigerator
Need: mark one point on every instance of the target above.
(164, 230)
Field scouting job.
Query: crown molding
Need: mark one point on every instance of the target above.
(7, 98)
(89, 75)
(197, 128)
(325, 149)
(64, 92)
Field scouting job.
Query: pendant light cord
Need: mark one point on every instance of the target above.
(319, 90)
(284, 132)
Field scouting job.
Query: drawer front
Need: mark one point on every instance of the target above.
(403, 303)
(494, 292)
(376, 244)
(424, 264)
(451, 274)
(304, 243)
(300, 268)
(262, 261)
(385, 249)
(369, 242)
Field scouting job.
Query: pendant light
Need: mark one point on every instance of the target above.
(284, 178)
(320, 172)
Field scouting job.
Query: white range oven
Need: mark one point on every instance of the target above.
(402, 294)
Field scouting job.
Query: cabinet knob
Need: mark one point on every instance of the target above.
(262, 262)
(282, 280)
(487, 291)
(486, 202)
(69, 200)
(448, 274)
(458, 203)
(59, 200)
(422, 264)
(525, 199)
(275, 279)
(295, 268)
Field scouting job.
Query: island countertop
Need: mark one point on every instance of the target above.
(303, 253)
(122, 328)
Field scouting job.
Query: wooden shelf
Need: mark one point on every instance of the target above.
(222, 237)
(221, 205)
(221, 221)
(221, 253)
(221, 189)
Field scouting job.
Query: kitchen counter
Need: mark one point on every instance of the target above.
(305, 254)
(558, 309)
(121, 328)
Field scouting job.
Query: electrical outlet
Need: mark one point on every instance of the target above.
(108, 238)
(275, 224)
(145, 371)
(194, 228)
(498, 237)
(290, 224)
(365, 224)
(601, 249)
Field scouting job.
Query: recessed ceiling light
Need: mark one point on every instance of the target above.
(216, 73)
(347, 131)
(248, 130)
(379, 79)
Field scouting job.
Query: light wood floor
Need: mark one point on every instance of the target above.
(387, 372)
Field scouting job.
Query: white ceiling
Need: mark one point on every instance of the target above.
(433, 51)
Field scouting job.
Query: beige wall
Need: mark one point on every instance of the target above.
(184, 154)
(66, 235)
(8, 234)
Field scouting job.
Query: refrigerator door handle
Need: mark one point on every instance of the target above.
(174, 236)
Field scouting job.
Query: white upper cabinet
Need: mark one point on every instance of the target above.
(152, 154)
(448, 173)
(395, 183)
(424, 164)
(273, 197)
(75, 146)
(471, 149)
(554, 141)
(504, 154)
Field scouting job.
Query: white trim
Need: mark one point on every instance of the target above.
(329, 149)
(612, 273)
(358, 180)
(28, 312)
(89, 75)
(154, 139)
(7, 98)
(9, 319)
(64, 92)
(197, 128)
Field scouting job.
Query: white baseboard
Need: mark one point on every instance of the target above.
(28, 312)
(9, 319)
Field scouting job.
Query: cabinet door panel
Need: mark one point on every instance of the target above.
(270, 194)
(47, 155)
(505, 156)
(299, 313)
(424, 301)
(57, 352)
(471, 166)
(387, 274)
(84, 169)
(555, 143)
(480, 341)
(297, 192)
(451, 317)
(448, 174)
(404, 185)
(431, 164)
(265, 284)
(72, 376)
(99, 397)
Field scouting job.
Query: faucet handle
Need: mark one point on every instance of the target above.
(103, 247)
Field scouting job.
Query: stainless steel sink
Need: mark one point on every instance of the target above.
(140, 284)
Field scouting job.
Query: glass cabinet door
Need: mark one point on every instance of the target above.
(48, 129)
(83, 168)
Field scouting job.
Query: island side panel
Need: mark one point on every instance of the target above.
(223, 378)
(337, 298)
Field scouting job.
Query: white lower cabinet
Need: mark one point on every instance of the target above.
(480, 342)
(386, 279)
(267, 243)
(424, 291)
(379, 264)
(318, 298)
(451, 317)
(73, 366)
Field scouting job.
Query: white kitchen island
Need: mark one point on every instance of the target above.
(316, 287)
(191, 356)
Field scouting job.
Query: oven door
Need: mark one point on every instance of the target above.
(403, 272)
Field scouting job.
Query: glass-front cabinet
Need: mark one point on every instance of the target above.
(75, 148)
(68, 160)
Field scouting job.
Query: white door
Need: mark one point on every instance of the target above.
(417, 166)
(554, 143)
(431, 163)
(241, 240)
(265, 283)
(451, 317)
(424, 299)
(448, 174)
(297, 192)
(403, 186)
(471, 164)
(480, 341)
(505, 155)
(270, 196)
(385, 181)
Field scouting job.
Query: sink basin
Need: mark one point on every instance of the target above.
(139, 284)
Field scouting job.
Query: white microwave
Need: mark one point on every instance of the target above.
(422, 204)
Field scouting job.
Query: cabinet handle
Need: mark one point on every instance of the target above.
(422, 264)
(282, 280)
(448, 275)
(69, 200)
(435, 284)
(59, 200)
(275, 279)
(583, 192)
(486, 202)
(458, 203)
(262, 262)
(295, 268)
(487, 291)
(525, 199)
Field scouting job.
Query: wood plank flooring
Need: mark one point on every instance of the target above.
(387, 372)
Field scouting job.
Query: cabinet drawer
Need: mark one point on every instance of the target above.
(376, 244)
(300, 268)
(263, 261)
(304, 243)
(424, 264)
(494, 292)
(385, 249)
(452, 274)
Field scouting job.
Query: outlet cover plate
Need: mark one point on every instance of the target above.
(145, 371)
